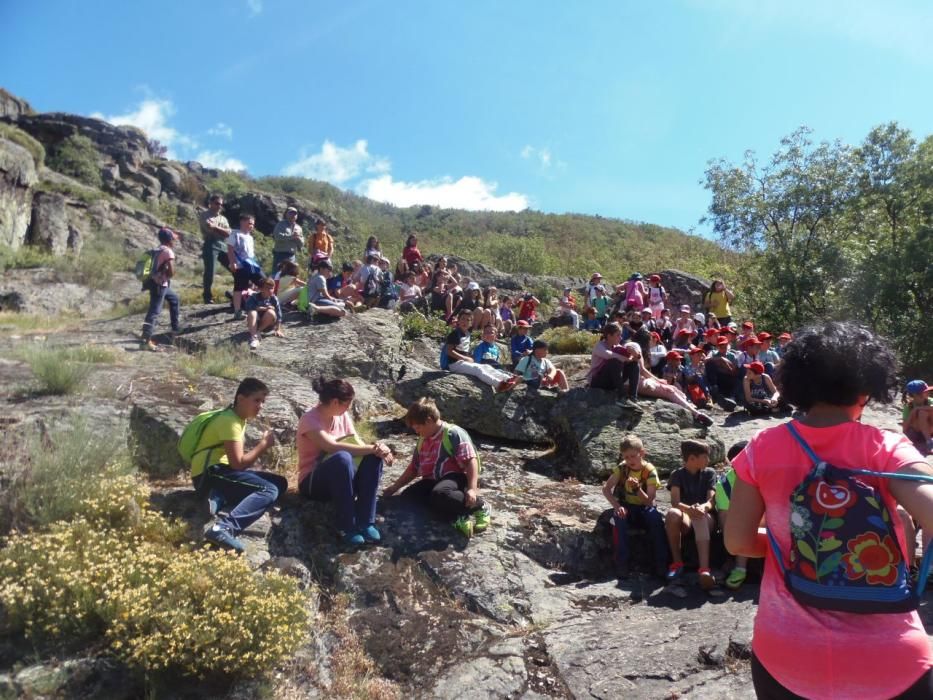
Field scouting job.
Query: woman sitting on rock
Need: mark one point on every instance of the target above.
(335, 465)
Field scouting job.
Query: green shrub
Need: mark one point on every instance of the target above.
(20, 137)
(24, 258)
(55, 372)
(416, 325)
(225, 361)
(77, 157)
(68, 472)
(159, 608)
(228, 183)
(566, 341)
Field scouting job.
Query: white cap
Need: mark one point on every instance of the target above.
(472, 285)
(699, 318)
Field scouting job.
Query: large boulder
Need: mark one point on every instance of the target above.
(12, 106)
(684, 288)
(588, 427)
(50, 227)
(516, 415)
(17, 178)
(116, 143)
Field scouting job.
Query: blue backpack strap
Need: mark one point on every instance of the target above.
(803, 443)
(777, 551)
(894, 475)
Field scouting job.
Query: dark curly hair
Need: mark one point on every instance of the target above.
(835, 363)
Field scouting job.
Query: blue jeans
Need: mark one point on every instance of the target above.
(157, 296)
(640, 516)
(352, 489)
(279, 257)
(246, 494)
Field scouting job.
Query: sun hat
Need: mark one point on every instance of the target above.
(291, 209)
(596, 275)
(750, 341)
(472, 286)
(646, 311)
(699, 318)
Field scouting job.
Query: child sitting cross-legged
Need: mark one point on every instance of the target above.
(487, 352)
(692, 488)
(456, 357)
(446, 461)
(630, 491)
(538, 371)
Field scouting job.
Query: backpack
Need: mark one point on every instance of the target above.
(448, 449)
(304, 300)
(191, 436)
(371, 285)
(146, 265)
(835, 518)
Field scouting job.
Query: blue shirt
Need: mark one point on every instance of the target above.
(255, 302)
(520, 343)
(486, 353)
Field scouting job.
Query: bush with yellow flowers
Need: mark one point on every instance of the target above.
(159, 607)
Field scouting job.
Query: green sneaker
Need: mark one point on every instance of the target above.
(464, 525)
(481, 519)
(735, 579)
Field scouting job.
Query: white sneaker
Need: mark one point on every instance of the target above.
(254, 342)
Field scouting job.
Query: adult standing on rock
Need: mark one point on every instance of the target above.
(287, 239)
(335, 465)
(215, 229)
(717, 301)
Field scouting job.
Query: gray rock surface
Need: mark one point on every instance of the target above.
(12, 106)
(17, 178)
(50, 227)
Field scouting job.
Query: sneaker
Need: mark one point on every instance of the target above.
(703, 420)
(735, 579)
(254, 342)
(675, 572)
(464, 525)
(481, 519)
(238, 315)
(221, 537)
(707, 582)
(728, 404)
(353, 539)
(626, 403)
(371, 534)
(214, 503)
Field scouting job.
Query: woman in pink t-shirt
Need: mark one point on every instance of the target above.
(335, 465)
(830, 373)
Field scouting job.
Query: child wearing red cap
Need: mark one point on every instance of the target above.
(657, 354)
(656, 296)
(766, 354)
(783, 340)
(673, 369)
(747, 333)
(761, 396)
(722, 374)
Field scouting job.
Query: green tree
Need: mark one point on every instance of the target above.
(786, 215)
(76, 156)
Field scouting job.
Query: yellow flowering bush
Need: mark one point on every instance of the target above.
(159, 607)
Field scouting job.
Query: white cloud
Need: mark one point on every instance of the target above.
(338, 165)
(222, 130)
(541, 155)
(220, 160)
(152, 117)
(466, 193)
(255, 7)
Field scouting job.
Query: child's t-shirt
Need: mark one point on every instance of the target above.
(533, 368)
(424, 461)
(822, 653)
(526, 310)
(460, 340)
(486, 353)
(694, 488)
(225, 427)
(162, 258)
(601, 304)
(317, 285)
(242, 244)
(519, 344)
(909, 407)
(337, 427)
(647, 476)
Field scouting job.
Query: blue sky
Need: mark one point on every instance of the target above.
(609, 108)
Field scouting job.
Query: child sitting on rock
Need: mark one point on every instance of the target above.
(456, 357)
(540, 372)
(487, 351)
(673, 370)
(692, 488)
(527, 308)
(447, 463)
(761, 396)
(263, 313)
(521, 344)
(630, 490)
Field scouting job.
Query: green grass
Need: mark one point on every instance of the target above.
(61, 371)
(416, 325)
(225, 361)
(20, 137)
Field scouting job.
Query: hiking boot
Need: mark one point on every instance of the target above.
(353, 539)
(220, 536)
(254, 342)
(735, 579)
(703, 420)
(481, 519)
(464, 525)
(371, 534)
(675, 572)
(707, 582)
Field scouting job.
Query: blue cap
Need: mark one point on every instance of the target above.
(166, 235)
(917, 386)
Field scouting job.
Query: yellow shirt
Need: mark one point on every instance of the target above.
(647, 476)
(226, 427)
(718, 303)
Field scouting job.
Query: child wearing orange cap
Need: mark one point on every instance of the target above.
(761, 396)
(673, 369)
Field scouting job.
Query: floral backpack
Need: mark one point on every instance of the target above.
(844, 550)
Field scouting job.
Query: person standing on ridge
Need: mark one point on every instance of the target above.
(287, 239)
(216, 229)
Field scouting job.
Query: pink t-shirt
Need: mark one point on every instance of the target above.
(308, 453)
(819, 653)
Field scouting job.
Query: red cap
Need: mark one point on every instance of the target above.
(684, 331)
(654, 278)
(756, 367)
(694, 350)
(785, 336)
(764, 335)
(523, 324)
(722, 340)
(750, 341)
(656, 336)
(674, 355)
(730, 331)
(712, 331)
(748, 324)
(621, 350)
